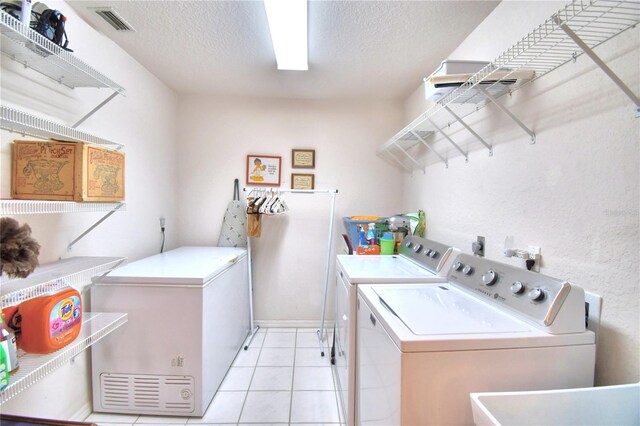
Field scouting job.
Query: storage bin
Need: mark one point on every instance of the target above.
(66, 171)
(351, 227)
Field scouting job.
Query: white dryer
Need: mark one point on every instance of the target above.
(492, 327)
(420, 261)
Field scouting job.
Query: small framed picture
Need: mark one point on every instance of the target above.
(302, 181)
(303, 158)
(263, 170)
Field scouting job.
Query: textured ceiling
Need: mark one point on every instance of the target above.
(357, 49)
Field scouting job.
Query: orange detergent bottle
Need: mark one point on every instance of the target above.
(50, 322)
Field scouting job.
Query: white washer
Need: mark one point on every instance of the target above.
(492, 327)
(420, 261)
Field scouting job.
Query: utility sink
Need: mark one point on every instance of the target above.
(604, 405)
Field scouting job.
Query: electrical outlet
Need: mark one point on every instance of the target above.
(533, 250)
(162, 221)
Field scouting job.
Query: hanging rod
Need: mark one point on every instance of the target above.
(293, 191)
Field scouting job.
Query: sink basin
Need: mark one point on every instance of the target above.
(604, 405)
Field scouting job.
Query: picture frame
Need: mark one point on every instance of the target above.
(303, 158)
(264, 170)
(302, 181)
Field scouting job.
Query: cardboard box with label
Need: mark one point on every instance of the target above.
(66, 171)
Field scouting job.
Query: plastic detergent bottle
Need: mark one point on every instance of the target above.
(50, 322)
(371, 234)
(8, 342)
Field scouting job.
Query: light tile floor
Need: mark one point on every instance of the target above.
(280, 380)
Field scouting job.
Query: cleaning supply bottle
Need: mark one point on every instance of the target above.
(363, 242)
(371, 234)
(4, 371)
(8, 342)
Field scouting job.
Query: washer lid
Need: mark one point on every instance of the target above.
(384, 269)
(188, 266)
(441, 309)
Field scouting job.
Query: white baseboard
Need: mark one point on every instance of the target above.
(83, 412)
(328, 325)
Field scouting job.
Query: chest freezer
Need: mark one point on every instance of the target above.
(188, 317)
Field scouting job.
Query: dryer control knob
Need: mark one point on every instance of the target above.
(537, 295)
(433, 254)
(408, 244)
(489, 278)
(467, 270)
(417, 248)
(427, 252)
(517, 287)
(457, 266)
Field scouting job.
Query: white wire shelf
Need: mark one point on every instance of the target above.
(34, 367)
(15, 207)
(543, 50)
(72, 272)
(22, 44)
(25, 123)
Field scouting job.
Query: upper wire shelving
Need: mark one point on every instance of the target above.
(22, 44)
(578, 28)
(71, 272)
(28, 124)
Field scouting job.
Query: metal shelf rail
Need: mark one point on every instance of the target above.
(18, 121)
(72, 272)
(34, 367)
(14, 207)
(578, 28)
(23, 45)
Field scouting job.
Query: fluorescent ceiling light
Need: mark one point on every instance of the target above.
(288, 26)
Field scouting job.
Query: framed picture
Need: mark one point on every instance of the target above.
(263, 170)
(303, 158)
(302, 181)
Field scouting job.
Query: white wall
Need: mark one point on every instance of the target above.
(289, 258)
(575, 193)
(143, 120)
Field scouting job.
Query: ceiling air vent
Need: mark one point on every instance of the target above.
(113, 18)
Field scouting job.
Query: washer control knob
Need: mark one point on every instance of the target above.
(433, 254)
(408, 244)
(489, 278)
(457, 266)
(417, 248)
(427, 252)
(467, 270)
(536, 295)
(517, 287)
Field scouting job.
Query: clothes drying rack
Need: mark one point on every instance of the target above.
(332, 193)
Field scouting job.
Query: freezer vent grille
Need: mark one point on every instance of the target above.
(113, 18)
(154, 394)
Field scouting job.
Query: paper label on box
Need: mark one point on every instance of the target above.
(105, 173)
(44, 168)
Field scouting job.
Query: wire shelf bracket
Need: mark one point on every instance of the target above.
(600, 63)
(470, 130)
(421, 139)
(92, 227)
(455, 145)
(512, 116)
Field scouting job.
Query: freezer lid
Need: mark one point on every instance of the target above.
(189, 266)
(441, 309)
(384, 269)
